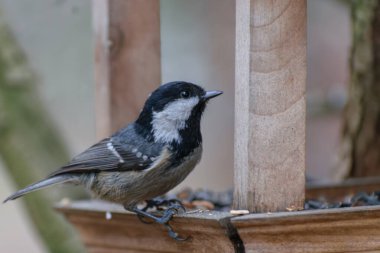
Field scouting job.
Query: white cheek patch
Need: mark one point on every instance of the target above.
(167, 123)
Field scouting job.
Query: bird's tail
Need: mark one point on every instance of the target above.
(39, 185)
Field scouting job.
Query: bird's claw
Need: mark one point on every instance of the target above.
(176, 206)
(169, 213)
(173, 208)
(175, 235)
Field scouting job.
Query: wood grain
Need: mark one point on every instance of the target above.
(127, 59)
(125, 233)
(270, 104)
(342, 230)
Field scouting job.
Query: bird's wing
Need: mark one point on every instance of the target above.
(109, 155)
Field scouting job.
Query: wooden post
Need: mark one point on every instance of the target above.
(270, 105)
(127, 59)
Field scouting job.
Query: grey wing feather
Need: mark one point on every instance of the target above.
(100, 157)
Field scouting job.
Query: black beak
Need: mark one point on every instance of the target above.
(211, 94)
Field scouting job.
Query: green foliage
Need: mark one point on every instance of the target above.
(29, 144)
(361, 137)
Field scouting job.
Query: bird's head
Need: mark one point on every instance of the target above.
(174, 110)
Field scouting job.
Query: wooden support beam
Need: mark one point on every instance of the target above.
(270, 105)
(127, 59)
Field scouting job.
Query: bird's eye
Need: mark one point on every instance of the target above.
(185, 94)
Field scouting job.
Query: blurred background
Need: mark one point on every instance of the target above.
(47, 54)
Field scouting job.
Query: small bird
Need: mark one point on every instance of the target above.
(145, 159)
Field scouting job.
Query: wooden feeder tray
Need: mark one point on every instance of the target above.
(354, 229)
(124, 232)
(343, 230)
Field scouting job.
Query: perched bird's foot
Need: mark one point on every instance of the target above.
(167, 215)
(162, 204)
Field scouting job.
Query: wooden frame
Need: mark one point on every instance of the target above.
(270, 109)
(269, 142)
(127, 59)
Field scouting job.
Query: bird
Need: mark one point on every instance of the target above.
(146, 158)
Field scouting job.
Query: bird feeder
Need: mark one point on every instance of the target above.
(270, 112)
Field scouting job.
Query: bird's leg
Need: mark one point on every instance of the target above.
(164, 219)
(160, 204)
